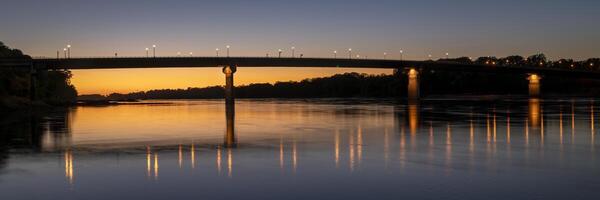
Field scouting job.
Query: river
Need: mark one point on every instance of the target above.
(437, 148)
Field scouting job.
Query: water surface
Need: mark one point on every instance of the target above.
(307, 149)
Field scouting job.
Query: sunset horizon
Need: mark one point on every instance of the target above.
(299, 99)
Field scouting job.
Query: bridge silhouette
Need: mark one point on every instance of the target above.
(230, 64)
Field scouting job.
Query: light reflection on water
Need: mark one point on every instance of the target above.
(435, 148)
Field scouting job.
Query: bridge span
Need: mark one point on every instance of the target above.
(230, 65)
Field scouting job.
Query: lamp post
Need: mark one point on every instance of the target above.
(447, 54)
(401, 54)
(334, 54)
(68, 50)
(228, 50)
(178, 54)
(293, 51)
(191, 54)
(280, 53)
(154, 50)
(65, 52)
(384, 54)
(217, 50)
(350, 53)
(429, 56)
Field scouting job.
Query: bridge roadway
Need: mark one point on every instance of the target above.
(179, 62)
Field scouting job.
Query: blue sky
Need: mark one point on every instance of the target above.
(316, 28)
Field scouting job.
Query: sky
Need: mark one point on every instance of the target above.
(557, 28)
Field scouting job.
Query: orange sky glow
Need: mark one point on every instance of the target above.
(133, 80)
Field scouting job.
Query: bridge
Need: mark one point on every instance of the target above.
(230, 64)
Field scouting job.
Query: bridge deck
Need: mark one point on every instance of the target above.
(178, 62)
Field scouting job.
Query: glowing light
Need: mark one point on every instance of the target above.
(192, 156)
(69, 166)
(156, 166)
(412, 73)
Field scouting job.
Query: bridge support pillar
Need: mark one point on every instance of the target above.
(32, 84)
(534, 85)
(230, 140)
(229, 71)
(413, 84)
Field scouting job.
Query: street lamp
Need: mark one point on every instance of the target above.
(334, 54)
(227, 50)
(217, 50)
(147, 52)
(191, 54)
(65, 52)
(447, 54)
(68, 50)
(401, 54)
(384, 54)
(154, 50)
(178, 54)
(350, 53)
(293, 51)
(280, 53)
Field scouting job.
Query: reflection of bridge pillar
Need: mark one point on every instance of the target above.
(534, 85)
(534, 112)
(413, 84)
(230, 140)
(413, 116)
(32, 84)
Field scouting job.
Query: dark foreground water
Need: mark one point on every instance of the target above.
(307, 149)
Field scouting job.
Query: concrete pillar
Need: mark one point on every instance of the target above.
(413, 84)
(229, 71)
(32, 84)
(230, 140)
(534, 85)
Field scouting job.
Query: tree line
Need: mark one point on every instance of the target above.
(537, 60)
(52, 87)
